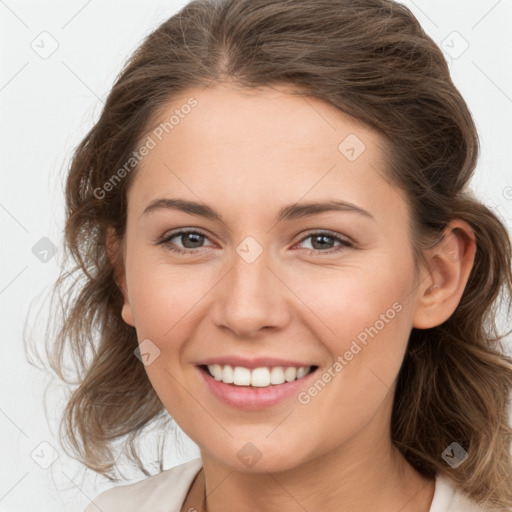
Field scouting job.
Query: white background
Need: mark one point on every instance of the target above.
(48, 104)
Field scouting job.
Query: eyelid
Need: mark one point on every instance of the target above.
(345, 242)
(181, 231)
(328, 232)
(177, 231)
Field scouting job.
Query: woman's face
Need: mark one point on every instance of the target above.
(276, 281)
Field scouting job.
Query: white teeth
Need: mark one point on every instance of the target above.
(301, 372)
(290, 373)
(227, 374)
(217, 371)
(258, 377)
(277, 375)
(242, 376)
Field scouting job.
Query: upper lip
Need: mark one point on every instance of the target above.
(255, 362)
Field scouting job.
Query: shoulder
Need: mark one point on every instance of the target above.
(164, 492)
(450, 498)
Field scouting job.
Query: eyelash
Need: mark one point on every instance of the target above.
(345, 244)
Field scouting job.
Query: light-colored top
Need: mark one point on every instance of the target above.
(166, 492)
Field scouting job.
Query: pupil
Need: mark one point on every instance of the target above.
(186, 238)
(320, 237)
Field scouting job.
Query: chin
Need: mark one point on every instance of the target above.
(260, 455)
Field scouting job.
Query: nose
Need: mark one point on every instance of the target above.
(251, 299)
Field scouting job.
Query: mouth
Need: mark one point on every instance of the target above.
(255, 388)
(262, 377)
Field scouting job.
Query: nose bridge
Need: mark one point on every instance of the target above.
(248, 299)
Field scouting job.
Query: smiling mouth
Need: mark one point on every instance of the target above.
(261, 377)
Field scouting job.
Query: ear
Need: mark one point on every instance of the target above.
(115, 256)
(450, 264)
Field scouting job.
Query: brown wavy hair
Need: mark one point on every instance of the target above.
(372, 60)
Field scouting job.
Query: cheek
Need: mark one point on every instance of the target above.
(358, 301)
(368, 313)
(165, 299)
(162, 302)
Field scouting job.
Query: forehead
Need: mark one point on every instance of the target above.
(264, 117)
(260, 147)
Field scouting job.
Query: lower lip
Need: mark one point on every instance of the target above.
(253, 398)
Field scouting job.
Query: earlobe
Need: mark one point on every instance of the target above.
(450, 264)
(126, 313)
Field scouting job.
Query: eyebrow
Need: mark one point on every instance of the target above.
(293, 211)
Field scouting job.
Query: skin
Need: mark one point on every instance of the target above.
(247, 153)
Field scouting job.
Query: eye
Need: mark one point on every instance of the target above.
(192, 241)
(190, 238)
(322, 242)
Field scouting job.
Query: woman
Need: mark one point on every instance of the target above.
(366, 374)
